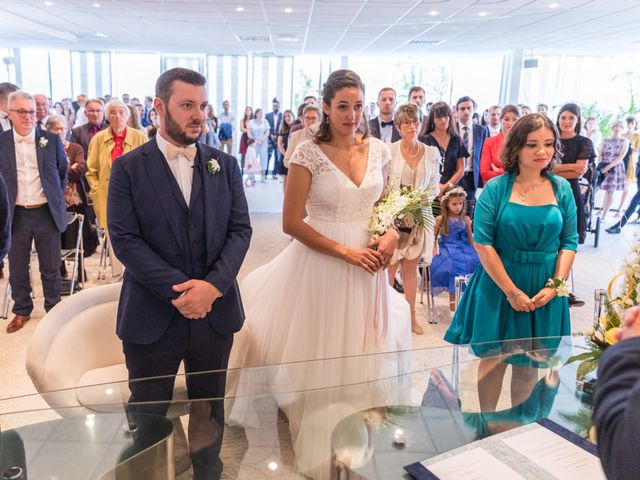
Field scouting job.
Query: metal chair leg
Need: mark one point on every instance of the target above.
(6, 301)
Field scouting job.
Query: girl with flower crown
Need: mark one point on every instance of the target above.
(454, 240)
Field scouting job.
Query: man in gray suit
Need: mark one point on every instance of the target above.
(94, 110)
(34, 167)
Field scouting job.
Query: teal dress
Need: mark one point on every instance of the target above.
(527, 239)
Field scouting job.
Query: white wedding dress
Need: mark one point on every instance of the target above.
(305, 306)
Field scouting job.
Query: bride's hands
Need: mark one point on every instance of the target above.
(366, 258)
(386, 245)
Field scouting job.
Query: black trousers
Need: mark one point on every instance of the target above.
(467, 183)
(203, 350)
(37, 225)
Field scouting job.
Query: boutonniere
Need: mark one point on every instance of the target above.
(213, 166)
(43, 142)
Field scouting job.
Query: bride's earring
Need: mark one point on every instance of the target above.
(326, 119)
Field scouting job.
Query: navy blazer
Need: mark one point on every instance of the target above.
(480, 134)
(82, 136)
(145, 234)
(52, 166)
(274, 122)
(374, 128)
(616, 412)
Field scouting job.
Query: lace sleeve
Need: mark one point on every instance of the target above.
(385, 154)
(304, 155)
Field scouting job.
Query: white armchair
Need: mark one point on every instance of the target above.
(75, 359)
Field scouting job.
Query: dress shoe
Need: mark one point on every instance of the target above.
(575, 301)
(17, 323)
(613, 230)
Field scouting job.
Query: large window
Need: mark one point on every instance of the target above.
(134, 73)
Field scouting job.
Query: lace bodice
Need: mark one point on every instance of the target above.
(333, 196)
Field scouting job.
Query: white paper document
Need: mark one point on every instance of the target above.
(558, 456)
(474, 464)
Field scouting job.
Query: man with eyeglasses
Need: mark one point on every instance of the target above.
(34, 166)
(83, 134)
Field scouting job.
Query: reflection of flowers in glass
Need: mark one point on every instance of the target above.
(213, 166)
(43, 142)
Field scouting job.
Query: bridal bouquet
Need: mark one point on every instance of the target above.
(623, 292)
(404, 208)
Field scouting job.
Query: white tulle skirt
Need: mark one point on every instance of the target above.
(307, 307)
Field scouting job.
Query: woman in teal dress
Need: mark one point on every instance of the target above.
(526, 236)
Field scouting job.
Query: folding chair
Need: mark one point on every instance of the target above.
(425, 286)
(460, 280)
(76, 253)
(105, 256)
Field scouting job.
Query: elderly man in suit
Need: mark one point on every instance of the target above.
(94, 110)
(34, 167)
(179, 222)
(382, 126)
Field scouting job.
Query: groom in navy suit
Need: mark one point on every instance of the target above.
(34, 167)
(179, 223)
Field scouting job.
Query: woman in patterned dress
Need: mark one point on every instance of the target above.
(612, 152)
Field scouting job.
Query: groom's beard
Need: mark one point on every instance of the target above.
(177, 133)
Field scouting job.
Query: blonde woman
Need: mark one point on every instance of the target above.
(417, 165)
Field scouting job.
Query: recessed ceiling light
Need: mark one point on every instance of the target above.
(482, 14)
(288, 10)
(48, 4)
(100, 35)
(433, 13)
(239, 9)
(554, 5)
(97, 5)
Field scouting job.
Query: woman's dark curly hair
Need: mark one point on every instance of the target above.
(516, 139)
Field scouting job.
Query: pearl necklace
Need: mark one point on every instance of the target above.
(406, 153)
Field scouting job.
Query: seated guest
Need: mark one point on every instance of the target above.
(34, 165)
(83, 134)
(617, 402)
(75, 194)
(104, 149)
(490, 163)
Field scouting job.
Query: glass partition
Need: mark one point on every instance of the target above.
(354, 417)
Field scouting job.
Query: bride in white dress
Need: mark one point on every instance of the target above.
(325, 296)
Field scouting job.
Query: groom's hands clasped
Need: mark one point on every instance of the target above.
(196, 299)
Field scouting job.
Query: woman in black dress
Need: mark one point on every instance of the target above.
(440, 133)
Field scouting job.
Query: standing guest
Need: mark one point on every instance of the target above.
(105, 147)
(81, 117)
(6, 89)
(297, 125)
(311, 116)
(490, 163)
(630, 158)
(182, 249)
(577, 156)
(592, 132)
(57, 108)
(34, 167)
(611, 166)
(252, 164)
(310, 100)
(68, 113)
(416, 165)
(95, 123)
(526, 237)
(274, 118)
(453, 253)
(616, 413)
(126, 98)
(148, 106)
(134, 119)
(542, 108)
(473, 137)
(42, 110)
(383, 126)
(227, 121)
(441, 134)
(259, 130)
(75, 193)
(525, 109)
(418, 96)
(494, 117)
(283, 142)
(210, 130)
(244, 129)
(153, 127)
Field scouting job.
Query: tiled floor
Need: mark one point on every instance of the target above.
(593, 269)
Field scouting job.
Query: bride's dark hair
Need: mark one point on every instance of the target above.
(337, 81)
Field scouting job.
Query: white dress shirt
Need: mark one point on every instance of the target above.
(30, 191)
(4, 121)
(493, 131)
(386, 132)
(468, 161)
(181, 167)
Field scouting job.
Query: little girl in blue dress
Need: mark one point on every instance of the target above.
(454, 241)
